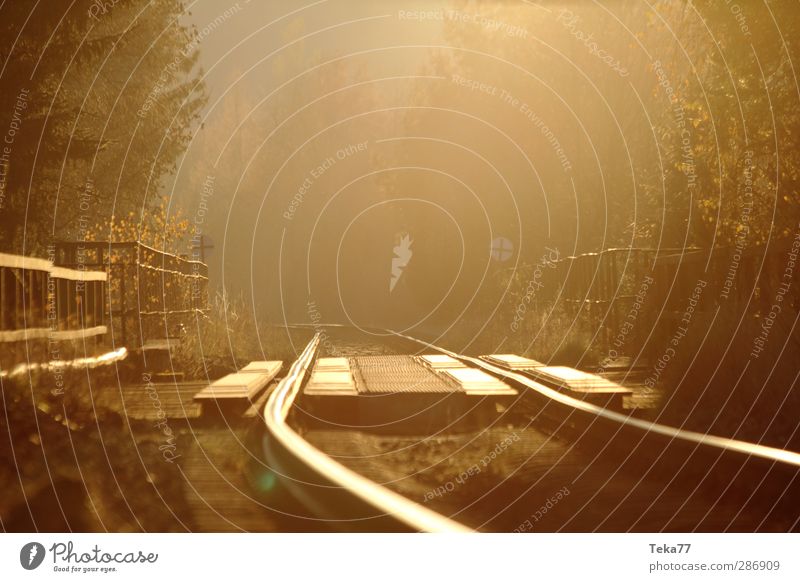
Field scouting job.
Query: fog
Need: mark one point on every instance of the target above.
(487, 133)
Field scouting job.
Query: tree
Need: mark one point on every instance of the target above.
(729, 131)
(102, 102)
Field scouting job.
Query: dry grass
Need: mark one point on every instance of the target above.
(229, 338)
(716, 386)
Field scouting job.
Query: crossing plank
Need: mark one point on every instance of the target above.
(512, 361)
(240, 385)
(476, 382)
(331, 377)
(577, 380)
(440, 361)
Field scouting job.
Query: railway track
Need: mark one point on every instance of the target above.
(325, 485)
(663, 460)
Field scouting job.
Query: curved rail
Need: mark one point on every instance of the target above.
(393, 505)
(723, 443)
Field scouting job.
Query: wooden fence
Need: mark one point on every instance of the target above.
(42, 300)
(152, 294)
(607, 291)
(85, 290)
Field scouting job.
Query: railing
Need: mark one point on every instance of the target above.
(602, 291)
(152, 294)
(40, 300)
(601, 277)
(612, 274)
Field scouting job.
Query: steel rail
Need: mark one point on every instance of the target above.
(723, 443)
(399, 508)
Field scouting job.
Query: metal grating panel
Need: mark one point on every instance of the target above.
(396, 374)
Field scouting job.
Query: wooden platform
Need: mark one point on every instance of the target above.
(440, 361)
(577, 381)
(240, 389)
(478, 383)
(152, 401)
(331, 377)
(401, 394)
(395, 375)
(594, 388)
(264, 367)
